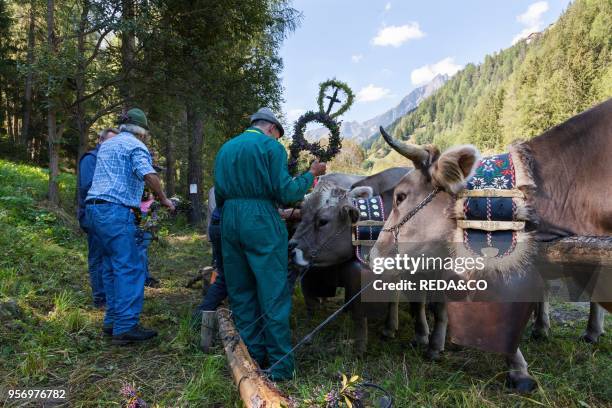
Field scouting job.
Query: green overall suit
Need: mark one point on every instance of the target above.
(251, 178)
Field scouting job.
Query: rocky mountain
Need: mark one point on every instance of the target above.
(360, 131)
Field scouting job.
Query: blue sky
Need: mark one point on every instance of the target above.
(384, 49)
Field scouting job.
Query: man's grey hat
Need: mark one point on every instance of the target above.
(267, 115)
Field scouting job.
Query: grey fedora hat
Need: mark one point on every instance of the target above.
(267, 115)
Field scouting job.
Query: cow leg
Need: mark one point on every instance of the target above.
(421, 328)
(438, 335)
(360, 334)
(392, 321)
(518, 377)
(312, 304)
(595, 326)
(541, 326)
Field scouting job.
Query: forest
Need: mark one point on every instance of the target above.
(198, 68)
(518, 92)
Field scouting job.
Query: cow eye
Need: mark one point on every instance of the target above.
(399, 197)
(322, 222)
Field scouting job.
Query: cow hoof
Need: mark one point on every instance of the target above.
(591, 338)
(432, 355)
(540, 334)
(388, 334)
(419, 341)
(521, 384)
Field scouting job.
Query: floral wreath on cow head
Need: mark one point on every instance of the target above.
(325, 117)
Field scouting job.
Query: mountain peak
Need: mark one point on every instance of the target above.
(362, 131)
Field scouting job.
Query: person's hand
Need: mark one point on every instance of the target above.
(168, 204)
(317, 168)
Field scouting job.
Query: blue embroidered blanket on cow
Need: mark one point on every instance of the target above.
(491, 214)
(495, 173)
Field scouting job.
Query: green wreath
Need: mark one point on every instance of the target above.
(327, 119)
(350, 97)
(301, 144)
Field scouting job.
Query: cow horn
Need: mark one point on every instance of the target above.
(419, 156)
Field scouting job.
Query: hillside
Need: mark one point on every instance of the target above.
(520, 91)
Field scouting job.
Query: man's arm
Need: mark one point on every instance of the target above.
(289, 189)
(153, 181)
(143, 167)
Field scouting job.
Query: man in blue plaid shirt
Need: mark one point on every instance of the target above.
(124, 166)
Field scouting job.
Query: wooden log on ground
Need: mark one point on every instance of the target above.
(580, 250)
(586, 253)
(256, 391)
(207, 331)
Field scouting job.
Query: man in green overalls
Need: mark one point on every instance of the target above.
(251, 180)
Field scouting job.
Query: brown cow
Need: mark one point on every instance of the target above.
(322, 243)
(571, 171)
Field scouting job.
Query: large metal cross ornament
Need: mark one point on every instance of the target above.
(332, 100)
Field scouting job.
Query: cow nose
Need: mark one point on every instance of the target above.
(292, 245)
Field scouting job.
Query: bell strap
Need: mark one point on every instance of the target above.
(492, 225)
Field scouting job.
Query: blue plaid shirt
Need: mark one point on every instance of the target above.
(123, 161)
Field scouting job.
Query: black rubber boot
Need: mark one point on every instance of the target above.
(137, 334)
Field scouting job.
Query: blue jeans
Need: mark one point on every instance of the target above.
(143, 240)
(123, 274)
(95, 262)
(218, 291)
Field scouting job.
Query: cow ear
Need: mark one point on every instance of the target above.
(361, 192)
(454, 167)
(351, 212)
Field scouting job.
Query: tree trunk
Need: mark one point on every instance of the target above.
(52, 118)
(16, 114)
(9, 115)
(194, 165)
(1, 105)
(255, 390)
(79, 111)
(27, 98)
(128, 46)
(53, 155)
(170, 165)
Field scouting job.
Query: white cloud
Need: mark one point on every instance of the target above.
(397, 35)
(372, 93)
(388, 6)
(294, 114)
(427, 72)
(533, 14)
(531, 19)
(356, 58)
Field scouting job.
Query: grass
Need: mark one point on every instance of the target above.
(53, 339)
